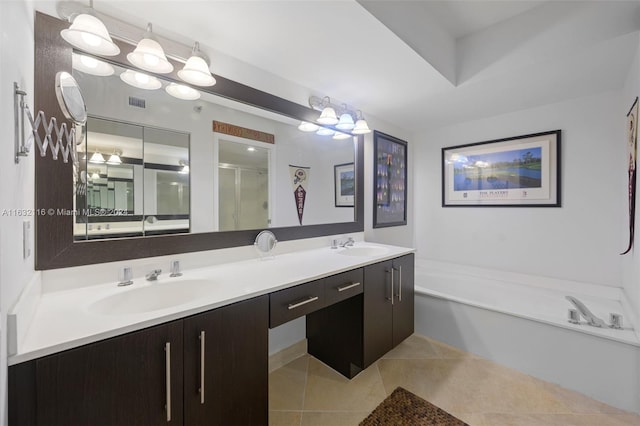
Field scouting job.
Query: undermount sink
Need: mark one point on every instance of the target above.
(364, 251)
(151, 297)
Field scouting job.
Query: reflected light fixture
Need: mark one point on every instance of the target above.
(88, 33)
(361, 126)
(250, 149)
(328, 115)
(140, 80)
(340, 135)
(323, 131)
(97, 158)
(346, 120)
(196, 70)
(95, 175)
(307, 127)
(181, 91)
(149, 55)
(185, 167)
(89, 65)
(115, 160)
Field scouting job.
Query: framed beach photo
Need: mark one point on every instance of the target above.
(345, 184)
(389, 181)
(512, 172)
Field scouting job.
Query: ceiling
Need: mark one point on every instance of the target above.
(413, 64)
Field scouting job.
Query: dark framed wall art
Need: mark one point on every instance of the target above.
(512, 172)
(389, 181)
(345, 184)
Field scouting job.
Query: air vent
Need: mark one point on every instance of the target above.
(137, 102)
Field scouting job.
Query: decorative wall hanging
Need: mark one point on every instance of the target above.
(243, 132)
(344, 184)
(299, 182)
(390, 181)
(512, 172)
(632, 144)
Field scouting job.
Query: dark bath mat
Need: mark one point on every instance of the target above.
(402, 408)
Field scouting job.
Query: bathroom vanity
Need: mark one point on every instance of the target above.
(211, 367)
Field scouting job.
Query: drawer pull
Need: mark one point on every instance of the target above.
(347, 287)
(304, 302)
(167, 360)
(202, 358)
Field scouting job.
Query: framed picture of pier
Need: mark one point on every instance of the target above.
(513, 172)
(389, 181)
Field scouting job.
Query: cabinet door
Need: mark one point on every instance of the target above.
(403, 306)
(378, 319)
(231, 366)
(119, 381)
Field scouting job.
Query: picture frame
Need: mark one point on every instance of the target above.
(389, 181)
(344, 184)
(520, 171)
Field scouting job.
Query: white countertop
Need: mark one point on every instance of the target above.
(64, 319)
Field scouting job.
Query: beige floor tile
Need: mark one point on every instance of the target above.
(414, 347)
(327, 390)
(559, 420)
(286, 385)
(447, 351)
(579, 403)
(472, 419)
(285, 418)
(333, 418)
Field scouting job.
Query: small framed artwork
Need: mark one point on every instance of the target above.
(389, 180)
(345, 184)
(512, 172)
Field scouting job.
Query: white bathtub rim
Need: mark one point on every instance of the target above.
(593, 331)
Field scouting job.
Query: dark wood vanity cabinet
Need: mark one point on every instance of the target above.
(124, 380)
(388, 306)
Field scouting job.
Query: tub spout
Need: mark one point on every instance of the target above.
(586, 313)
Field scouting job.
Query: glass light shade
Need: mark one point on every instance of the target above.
(140, 80)
(323, 131)
(181, 91)
(185, 169)
(196, 71)
(361, 127)
(345, 122)
(328, 116)
(340, 135)
(307, 127)
(95, 175)
(88, 33)
(90, 65)
(149, 56)
(96, 158)
(114, 160)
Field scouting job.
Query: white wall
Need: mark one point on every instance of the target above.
(631, 261)
(580, 241)
(16, 180)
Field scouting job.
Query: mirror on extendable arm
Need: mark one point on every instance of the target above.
(265, 243)
(70, 98)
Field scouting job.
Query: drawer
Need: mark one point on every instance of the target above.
(294, 302)
(343, 286)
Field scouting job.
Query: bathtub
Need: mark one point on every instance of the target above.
(520, 321)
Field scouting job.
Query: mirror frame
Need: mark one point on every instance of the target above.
(54, 242)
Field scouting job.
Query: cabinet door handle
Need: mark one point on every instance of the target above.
(390, 271)
(202, 343)
(167, 364)
(304, 302)
(347, 287)
(399, 269)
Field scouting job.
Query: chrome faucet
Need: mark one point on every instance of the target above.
(586, 313)
(175, 269)
(125, 277)
(153, 275)
(349, 243)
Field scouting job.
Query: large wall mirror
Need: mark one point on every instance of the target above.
(160, 175)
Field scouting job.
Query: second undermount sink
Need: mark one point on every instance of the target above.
(364, 251)
(151, 297)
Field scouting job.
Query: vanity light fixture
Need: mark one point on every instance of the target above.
(328, 115)
(346, 120)
(185, 167)
(90, 65)
(97, 158)
(196, 70)
(140, 80)
(250, 149)
(361, 126)
(307, 127)
(340, 135)
(88, 33)
(323, 131)
(95, 175)
(115, 160)
(181, 91)
(149, 55)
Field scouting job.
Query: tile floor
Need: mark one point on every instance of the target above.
(478, 391)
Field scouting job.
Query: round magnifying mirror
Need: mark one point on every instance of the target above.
(265, 241)
(70, 98)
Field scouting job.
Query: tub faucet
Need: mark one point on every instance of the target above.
(586, 313)
(153, 275)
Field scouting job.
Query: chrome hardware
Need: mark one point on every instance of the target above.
(399, 269)
(349, 243)
(615, 320)
(592, 320)
(153, 275)
(334, 244)
(390, 271)
(347, 287)
(201, 390)
(167, 364)
(574, 316)
(304, 302)
(125, 277)
(175, 269)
